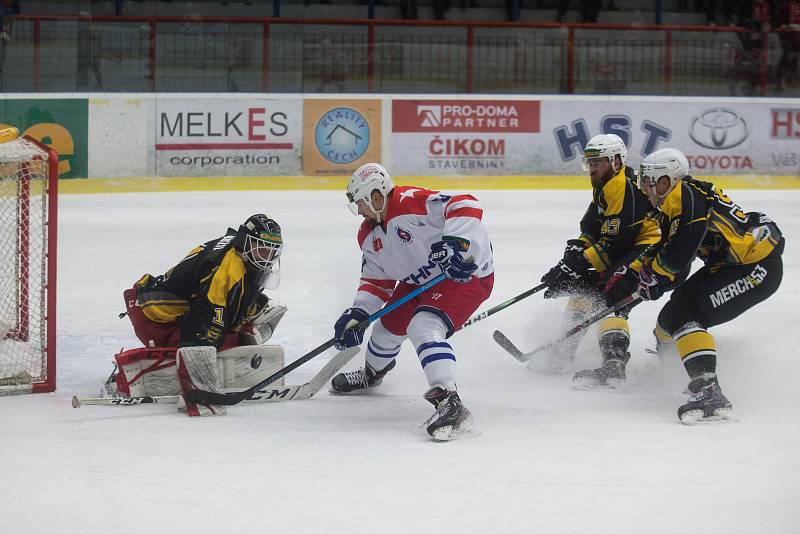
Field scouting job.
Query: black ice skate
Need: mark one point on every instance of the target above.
(610, 375)
(451, 419)
(360, 379)
(706, 403)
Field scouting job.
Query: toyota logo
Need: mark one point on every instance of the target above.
(718, 129)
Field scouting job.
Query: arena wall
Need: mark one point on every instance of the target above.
(172, 141)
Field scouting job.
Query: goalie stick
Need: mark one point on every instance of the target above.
(524, 357)
(229, 399)
(280, 393)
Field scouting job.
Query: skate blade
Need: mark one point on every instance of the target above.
(583, 384)
(466, 429)
(696, 417)
(448, 433)
(354, 393)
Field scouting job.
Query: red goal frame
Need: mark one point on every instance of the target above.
(22, 330)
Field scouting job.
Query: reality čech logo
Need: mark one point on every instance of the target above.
(342, 135)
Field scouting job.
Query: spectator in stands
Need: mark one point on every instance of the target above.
(590, 10)
(408, 9)
(754, 16)
(729, 9)
(89, 52)
(683, 5)
(332, 67)
(9, 9)
(512, 15)
(439, 7)
(787, 20)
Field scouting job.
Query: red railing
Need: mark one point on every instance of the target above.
(570, 54)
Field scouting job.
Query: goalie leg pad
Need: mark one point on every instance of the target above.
(244, 367)
(197, 369)
(146, 371)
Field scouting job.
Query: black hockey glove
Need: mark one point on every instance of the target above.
(620, 285)
(573, 252)
(567, 277)
(345, 331)
(652, 285)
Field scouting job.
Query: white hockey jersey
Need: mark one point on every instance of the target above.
(415, 219)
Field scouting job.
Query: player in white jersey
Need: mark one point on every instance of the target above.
(409, 236)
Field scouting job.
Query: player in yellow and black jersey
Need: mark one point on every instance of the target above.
(618, 225)
(212, 293)
(743, 266)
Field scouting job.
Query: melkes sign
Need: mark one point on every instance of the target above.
(219, 137)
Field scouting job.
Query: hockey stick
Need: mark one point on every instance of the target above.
(229, 399)
(504, 305)
(523, 357)
(280, 393)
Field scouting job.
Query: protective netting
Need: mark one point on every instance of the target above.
(23, 265)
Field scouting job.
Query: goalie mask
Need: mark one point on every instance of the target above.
(368, 178)
(260, 243)
(604, 146)
(667, 162)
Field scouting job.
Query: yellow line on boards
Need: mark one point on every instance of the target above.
(322, 183)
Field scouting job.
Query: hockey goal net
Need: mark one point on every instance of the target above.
(28, 198)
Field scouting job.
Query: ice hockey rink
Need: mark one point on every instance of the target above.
(550, 459)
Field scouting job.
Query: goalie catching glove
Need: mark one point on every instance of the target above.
(261, 320)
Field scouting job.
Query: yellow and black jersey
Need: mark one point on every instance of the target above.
(208, 293)
(618, 220)
(699, 220)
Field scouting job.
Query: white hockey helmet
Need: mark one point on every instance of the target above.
(604, 146)
(669, 162)
(368, 178)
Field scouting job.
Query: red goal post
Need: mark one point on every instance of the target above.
(28, 222)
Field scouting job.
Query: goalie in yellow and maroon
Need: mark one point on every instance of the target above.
(212, 300)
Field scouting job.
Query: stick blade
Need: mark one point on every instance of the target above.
(331, 368)
(509, 347)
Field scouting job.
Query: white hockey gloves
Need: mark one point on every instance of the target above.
(260, 325)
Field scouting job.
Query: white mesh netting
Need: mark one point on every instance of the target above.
(23, 265)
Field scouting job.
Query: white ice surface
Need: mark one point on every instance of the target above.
(549, 460)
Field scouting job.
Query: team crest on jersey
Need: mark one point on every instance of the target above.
(404, 235)
(377, 244)
(674, 227)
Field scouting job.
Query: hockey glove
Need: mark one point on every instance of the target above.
(345, 330)
(570, 275)
(652, 285)
(455, 266)
(573, 252)
(620, 285)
